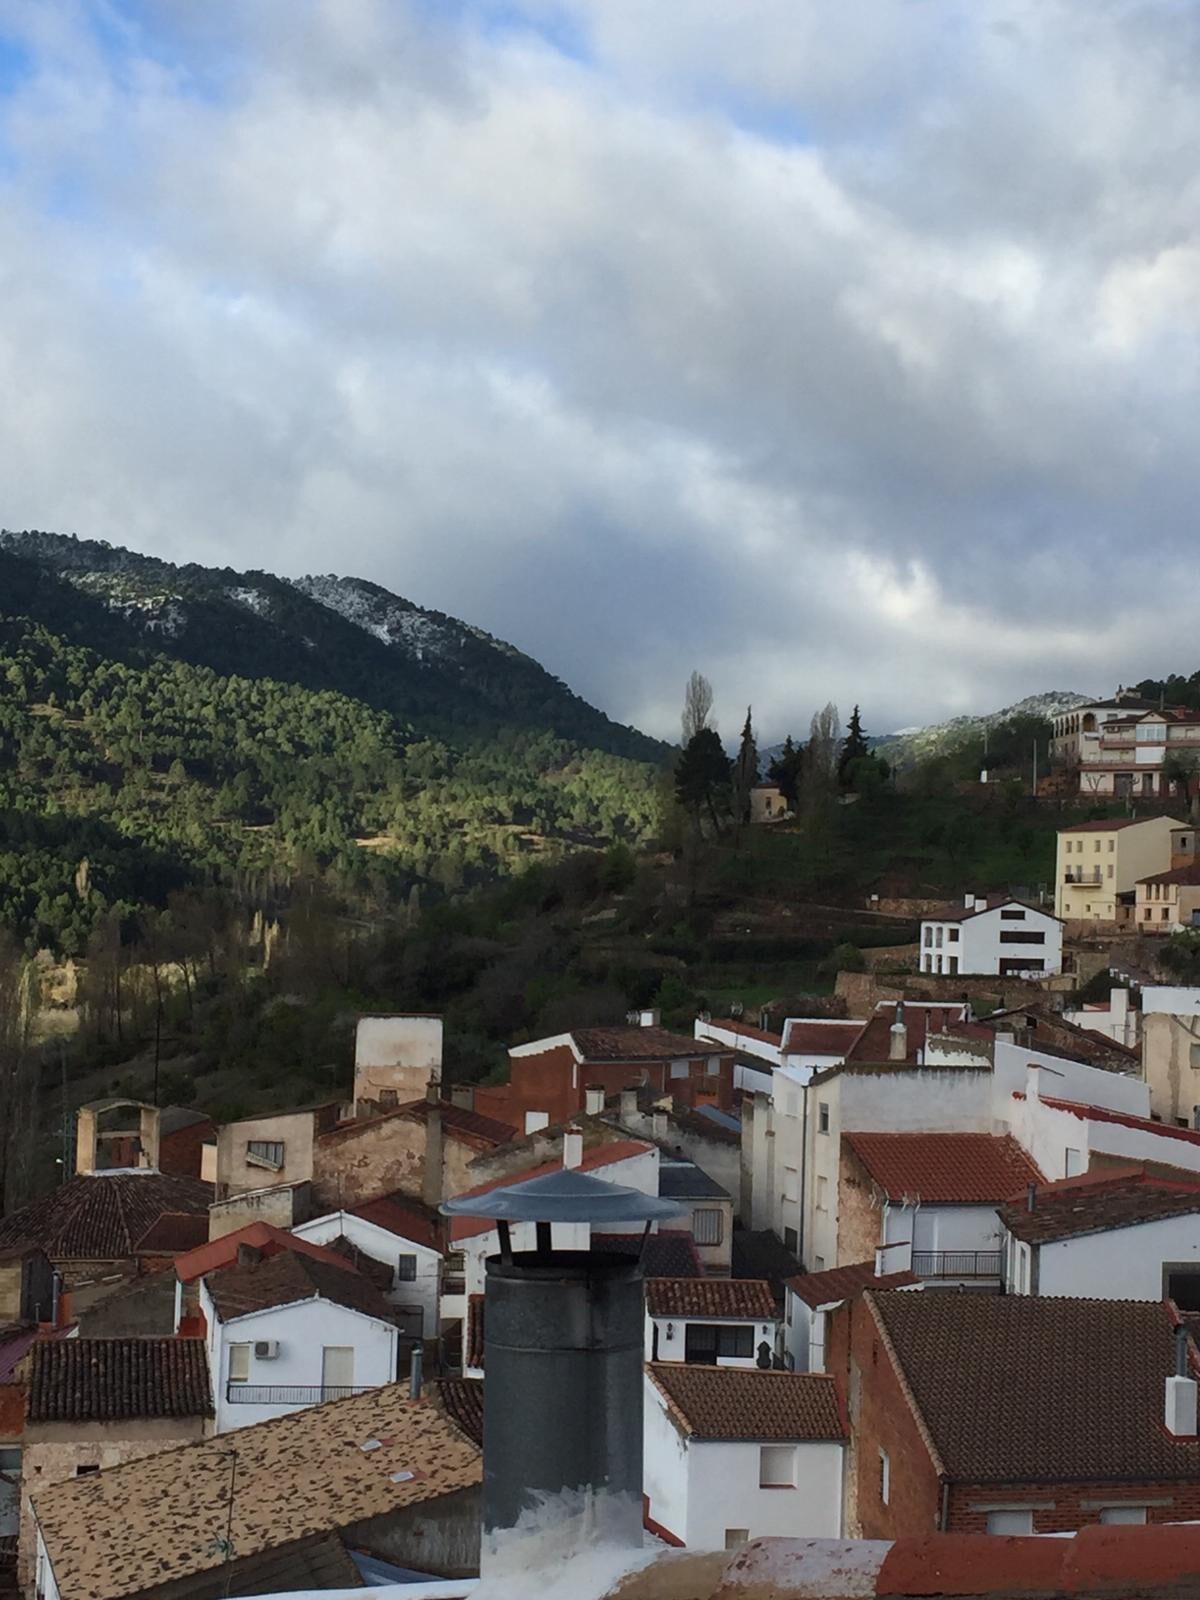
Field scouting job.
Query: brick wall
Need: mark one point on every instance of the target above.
(554, 1082)
(53, 1452)
(1060, 1508)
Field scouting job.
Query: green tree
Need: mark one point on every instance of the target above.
(745, 772)
(854, 748)
(702, 778)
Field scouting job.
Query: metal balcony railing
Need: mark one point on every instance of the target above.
(291, 1394)
(1082, 875)
(957, 1263)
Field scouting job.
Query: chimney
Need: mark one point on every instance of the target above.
(1033, 1075)
(968, 902)
(629, 1107)
(659, 1124)
(650, 1017)
(593, 1099)
(898, 1036)
(1180, 1406)
(416, 1372)
(572, 1147)
(1118, 1004)
(880, 1269)
(431, 1172)
(248, 1255)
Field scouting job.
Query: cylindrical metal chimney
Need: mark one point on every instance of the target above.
(563, 1348)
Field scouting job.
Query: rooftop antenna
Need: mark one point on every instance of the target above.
(563, 1346)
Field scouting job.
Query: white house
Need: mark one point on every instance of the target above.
(1112, 1236)
(732, 1455)
(723, 1322)
(1117, 1020)
(290, 1331)
(396, 1232)
(1002, 937)
(1063, 1136)
(807, 1044)
(811, 1299)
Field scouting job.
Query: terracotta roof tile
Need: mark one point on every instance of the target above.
(174, 1232)
(640, 1044)
(1070, 1209)
(670, 1253)
(745, 1403)
(944, 1168)
(746, 1299)
(1178, 875)
(406, 1217)
(470, 1125)
(103, 1217)
(818, 1037)
(284, 1279)
(298, 1477)
(874, 1041)
(476, 1339)
(1123, 1119)
(747, 1031)
(463, 1401)
(1017, 1388)
(264, 1237)
(843, 1283)
(103, 1380)
(1110, 825)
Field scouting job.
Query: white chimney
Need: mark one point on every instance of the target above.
(535, 1120)
(651, 1017)
(659, 1124)
(880, 1269)
(629, 1106)
(1180, 1413)
(898, 1036)
(1033, 1078)
(572, 1147)
(893, 1257)
(593, 1099)
(968, 902)
(1118, 1004)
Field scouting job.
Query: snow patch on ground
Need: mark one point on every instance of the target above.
(253, 599)
(385, 617)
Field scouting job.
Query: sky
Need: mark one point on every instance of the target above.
(843, 352)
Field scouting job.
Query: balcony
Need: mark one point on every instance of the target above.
(1081, 875)
(957, 1263)
(291, 1394)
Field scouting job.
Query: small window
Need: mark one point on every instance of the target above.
(885, 1477)
(1183, 1286)
(1013, 914)
(679, 1069)
(735, 1537)
(952, 936)
(790, 1241)
(1123, 1514)
(1010, 1521)
(822, 1194)
(708, 1226)
(267, 1151)
(1194, 1056)
(791, 1183)
(10, 1459)
(1112, 844)
(823, 1117)
(239, 1363)
(777, 1466)
(86, 1470)
(406, 1269)
(712, 1065)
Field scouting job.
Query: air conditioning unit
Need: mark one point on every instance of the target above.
(266, 1349)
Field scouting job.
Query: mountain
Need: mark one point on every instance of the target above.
(437, 674)
(168, 729)
(909, 745)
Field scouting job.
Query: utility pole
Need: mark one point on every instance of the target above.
(1035, 769)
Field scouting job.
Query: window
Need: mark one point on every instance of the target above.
(1097, 847)
(928, 933)
(1166, 914)
(1112, 844)
(1110, 870)
(777, 1466)
(1072, 1163)
(239, 1363)
(1014, 914)
(952, 936)
(1022, 936)
(679, 1069)
(406, 1269)
(337, 1367)
(1010, 1521)
(454, 1279)
(819, 1264)
(952, 965)
(704, 1342)
(85, 1470)
(791, 1183)
(1020, 964)
(712, 1065)
(267, 1151)
(790, 1241)
(885, 1477)
(1123, 1514)
(735, 1537)
(10, 1459)
(1194, 1056)
(708, 1226)
(1182, 1285)
(822, 1194)
(823, 1117)
(410, 1321)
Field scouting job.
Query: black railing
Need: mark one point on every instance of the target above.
(957, 1263)
(291, 1394)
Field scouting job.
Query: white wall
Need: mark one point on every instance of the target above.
(397, 1052)
(664, 1465)
(1064, 1080)
(1178, 1002)
(1124, 1264)
(302, 1330)
(744, 1043)
(723, 1492)
(380, 1244)
(673, 1348)
(1049, 1132)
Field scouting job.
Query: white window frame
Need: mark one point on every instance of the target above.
(777, 1466)
(239, 1356)
(885, 1477)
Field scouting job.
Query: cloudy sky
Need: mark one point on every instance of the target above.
(845, 351)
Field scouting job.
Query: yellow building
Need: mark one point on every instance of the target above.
(1169, 901)
(1097, 861)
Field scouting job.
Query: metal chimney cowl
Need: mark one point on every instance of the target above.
(563, 1350)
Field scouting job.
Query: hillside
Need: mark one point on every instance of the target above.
(167, 728)
(908, 746)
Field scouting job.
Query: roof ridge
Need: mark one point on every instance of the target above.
(870, 1299)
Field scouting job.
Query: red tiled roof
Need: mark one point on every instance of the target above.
(403, 1215)
(1099, 1203)
(732, 1025)
(1110, 825)
(1031, 1388)
(745, 1403)
(944, 1168)
(284, 1279)
(105, 1380)
(874, 1042)
(174, 1232)
(670, 1253)
(459, 1123)
(811, 1036)
(462, 1399)
(264, 1237)
(1178, 875)
(843, 1283)
(1162, 1130)
(476, 1340)
(640, 1044)
(604, 1155)
(103, 1216)
(743, 1299)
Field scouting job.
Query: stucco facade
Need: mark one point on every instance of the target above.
(1171, 1063)
(420, 1290)
(1098, 861)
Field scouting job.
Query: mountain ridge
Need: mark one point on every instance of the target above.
(908, 745)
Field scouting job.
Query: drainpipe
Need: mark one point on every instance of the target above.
(803, 1172)
(944, 1514)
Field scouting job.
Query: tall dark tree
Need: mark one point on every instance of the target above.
(786, 770)
(745, 771)
(702, 778)
(854, 748)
